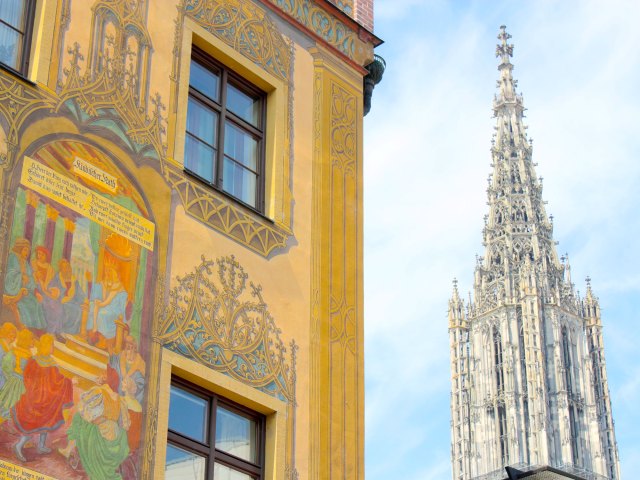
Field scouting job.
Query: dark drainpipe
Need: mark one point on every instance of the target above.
(376, 70)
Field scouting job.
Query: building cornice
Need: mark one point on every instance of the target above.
(331, 27)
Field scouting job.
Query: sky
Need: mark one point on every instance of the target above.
(426, 151)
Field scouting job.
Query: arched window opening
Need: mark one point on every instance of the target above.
(502, 414)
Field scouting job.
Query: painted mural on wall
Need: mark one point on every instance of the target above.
(76, 291)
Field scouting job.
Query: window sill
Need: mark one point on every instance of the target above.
(232, 198)
(15, 73)
(226, 214)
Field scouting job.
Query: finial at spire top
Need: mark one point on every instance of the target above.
(504, 49)
(589, 294)
(456, 294)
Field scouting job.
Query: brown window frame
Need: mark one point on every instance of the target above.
(27, 34)
(230, 77)
(209, 451)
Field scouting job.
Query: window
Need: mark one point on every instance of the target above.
(224, 143)
(212, 438)
(16, 22)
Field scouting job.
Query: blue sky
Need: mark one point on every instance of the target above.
(427, 159)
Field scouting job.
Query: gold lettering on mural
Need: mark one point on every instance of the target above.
(75, 196)
(94, 174)
(9, 471)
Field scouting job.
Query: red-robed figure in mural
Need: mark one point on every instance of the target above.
(47, 394)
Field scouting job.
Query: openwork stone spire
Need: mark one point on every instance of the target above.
(528, 376)
(518, 233)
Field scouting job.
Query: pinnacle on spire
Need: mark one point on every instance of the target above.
(504, 49)
(591, 305)
(506, 83)
(567, 268)
(456, 309)
(455, 297)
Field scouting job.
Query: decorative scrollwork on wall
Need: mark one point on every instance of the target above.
(17, 103)
(319, 21)
(345, 5)
(219, 318)
(121, 42)
(245, 27)
(343, 129)
(94, 100)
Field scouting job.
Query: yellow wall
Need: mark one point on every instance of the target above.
(304, 256)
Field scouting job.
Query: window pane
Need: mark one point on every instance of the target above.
(236, 434)
(205, 81)
(222, 472)
(10, 46)
(188, 414)
(183, 465)
(240, 146)
(239, 182)
(202, 122)
(245, 106)
(199, 158)
(12, 12)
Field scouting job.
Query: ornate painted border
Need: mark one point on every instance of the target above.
(244, 27)
(333, 31)
(336, 289)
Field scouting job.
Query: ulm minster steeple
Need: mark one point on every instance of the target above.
(528, 377)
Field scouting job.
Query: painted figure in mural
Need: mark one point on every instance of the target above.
(71, 299)
(108, 304)
(13, 365)
(42, 269)
(46, 394)
(99, 429)
(131, 370)
(8, 334)
(43, 274)
(20, 286)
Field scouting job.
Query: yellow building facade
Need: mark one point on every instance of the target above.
(181, 238)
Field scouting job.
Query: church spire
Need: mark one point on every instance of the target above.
(518, 232)
(504, 50)
(523, 345)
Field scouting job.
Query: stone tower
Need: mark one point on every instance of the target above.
(528, 378)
